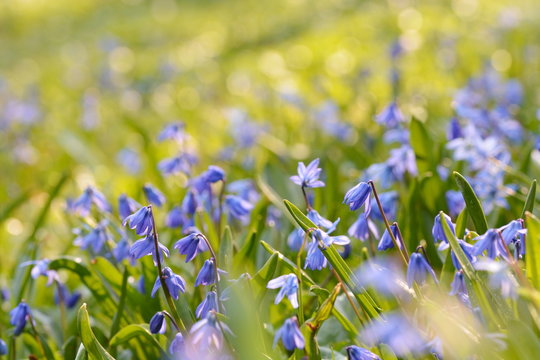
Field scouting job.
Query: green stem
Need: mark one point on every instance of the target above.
(299, 278)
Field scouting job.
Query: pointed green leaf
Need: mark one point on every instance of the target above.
(473, 204)
(131, 331)
(92, 346)
(532, 260)
(529, 203)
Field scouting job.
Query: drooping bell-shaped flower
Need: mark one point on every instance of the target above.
(141, 221)
(146, 246)
(153, 195)
(19, 317)
(208, 304)
(418, 270)
(191, 245)
(174, 282)
(158, 325)
(357, 196)
(357, 353)
(126, 206)
(290, 335)
(438, 232)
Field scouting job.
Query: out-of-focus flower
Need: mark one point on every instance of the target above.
(191, 245)
(126, 206)
(499, 278)
(290, 335)
(418, 269)
(206, 275)
(308, 176)
(130, 160)
(492, 243)
(288, 285)
(90, 196)
(391, 116)
(206, 335)
(175, 165)
(468, 249)
(214, 174)
(95, 239)
(383, 276)
(455, 202)
(177, 346)
(360, 228)
(238, 208)
(357, 353)
(174, 282)
(41, 268)
(3, 347)
(386, 240)
(357, 196)
(389, 204)
(173, 131)
(208, 304)
(64, 295)
(153, 195)
(18, 317)
(402, 160)
(454, 130)
(158, 325)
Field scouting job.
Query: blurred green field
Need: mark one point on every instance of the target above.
(83, 83)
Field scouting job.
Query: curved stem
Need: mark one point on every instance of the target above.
(308, 205)
(172, 319)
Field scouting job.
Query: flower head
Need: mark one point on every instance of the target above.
(290, 335)
(90, 196)
(360, 228)
(18, 317)
(126, 206)
(141, 221)
(315, 259)
(95, 239)
(386, 240)
(418, 270)
(214, 174)
(175, 165)
(3, 347)
(238, 207)
(208, 304)
(41, 268)
(207, 275)
(191, 245)
(391, 116)
(174, 282)
(206, 335)
(177, 345)
(492, 243)
(357, 353)
(308, 176)
(158, 325)
(173, 131)
(438, 232)
(153, 195)
(358, 195)
(288, 285)
(146, 246)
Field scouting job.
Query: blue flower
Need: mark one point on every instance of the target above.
(174, 282)
(386, 240)
(175, 165)
(238, 207)
(191, 245)
(208, 304)
(121, 250)
(153, 195)
(18, 317)
(468, 249)
(69, 299)
(389, 204)
(357, 196)
(490, 242)
(308, 176)
(158, 325)
(206, 276)
(289, 287)
(318, 220)
(141, 221)
(189, 203)
(214, 174)
(175, 218)
(511, 231)
(499, 277)
(438, 232)
(454, 130)
(177, 346)
(418, 270)
(455, 202)
(290, 335)
(90, 196)
(173, 131)
(130, 160)
(206, 335)
(402, 160)
(3, 347)
(315, 259)
(41, 268)
(358, 353)
(396, 332)
(360, 228)
(391, 116)
(295, 239)
(145, 246)
(458, 287)
(126, 206)
(95, 239)
(140, 285)
(383, 276)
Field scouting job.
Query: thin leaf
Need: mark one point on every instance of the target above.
(92, 346)
(131, 331)
(529, 203)
(473, 204)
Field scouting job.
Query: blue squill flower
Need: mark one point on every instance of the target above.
(174, 282)
(175, 165)
(90, 196)
(315, 259)
(3, 347)
(357, 353)
(69, 299)
(206, 335)
(214, 174)
(175, 218)
(381, 174)
(389, 204)
(454, 130)
(140, 285)
(289, 287)
(244, 188)
(383, 276)
(208, 304)
(458, 287)
(511, 231)
(173, 131)
(360, 228)
(308, 177)
(18, 317)
(141, 221)
(499, 276)
(468, 249)
(290, 335)
(402, 160)
(158, 325)
(126, 206)
(386, 240)
(455, 202)
(391, 116)
(130, 160)
(206, 275)
(177, 346)
(418, 270)
(95, 239)
(41, 268)
(295, 239)
(191, 245)
(146, 246)
(153, 195)
(396, 332)
(438, 232)
(357, 196)
(492, 243)
(238, 208)
(189, 203)
(318, 220)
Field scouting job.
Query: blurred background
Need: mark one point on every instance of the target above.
(86, 86)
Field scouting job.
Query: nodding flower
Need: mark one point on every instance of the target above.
(308, 177)
(357, 353)
(3, 347)
(438, 232)
(158, 325)
(141, 221)
(19, 317)
(390, 116)
(358, 195)
(174, 283)
(206, 275)
(153, 195)
(191, 245)
(146, 246)
(386, 240)
(83, 204)
(418, 270)
(208, 304)
(126, 206)
(290, 335)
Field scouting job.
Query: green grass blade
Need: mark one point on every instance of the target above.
(94, 349)
(473, 204)
(532, 260)
(529, 203)
(137, 331)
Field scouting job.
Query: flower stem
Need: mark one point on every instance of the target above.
(387, 224)
(308, 205)
(299, 278)
(164, 286)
